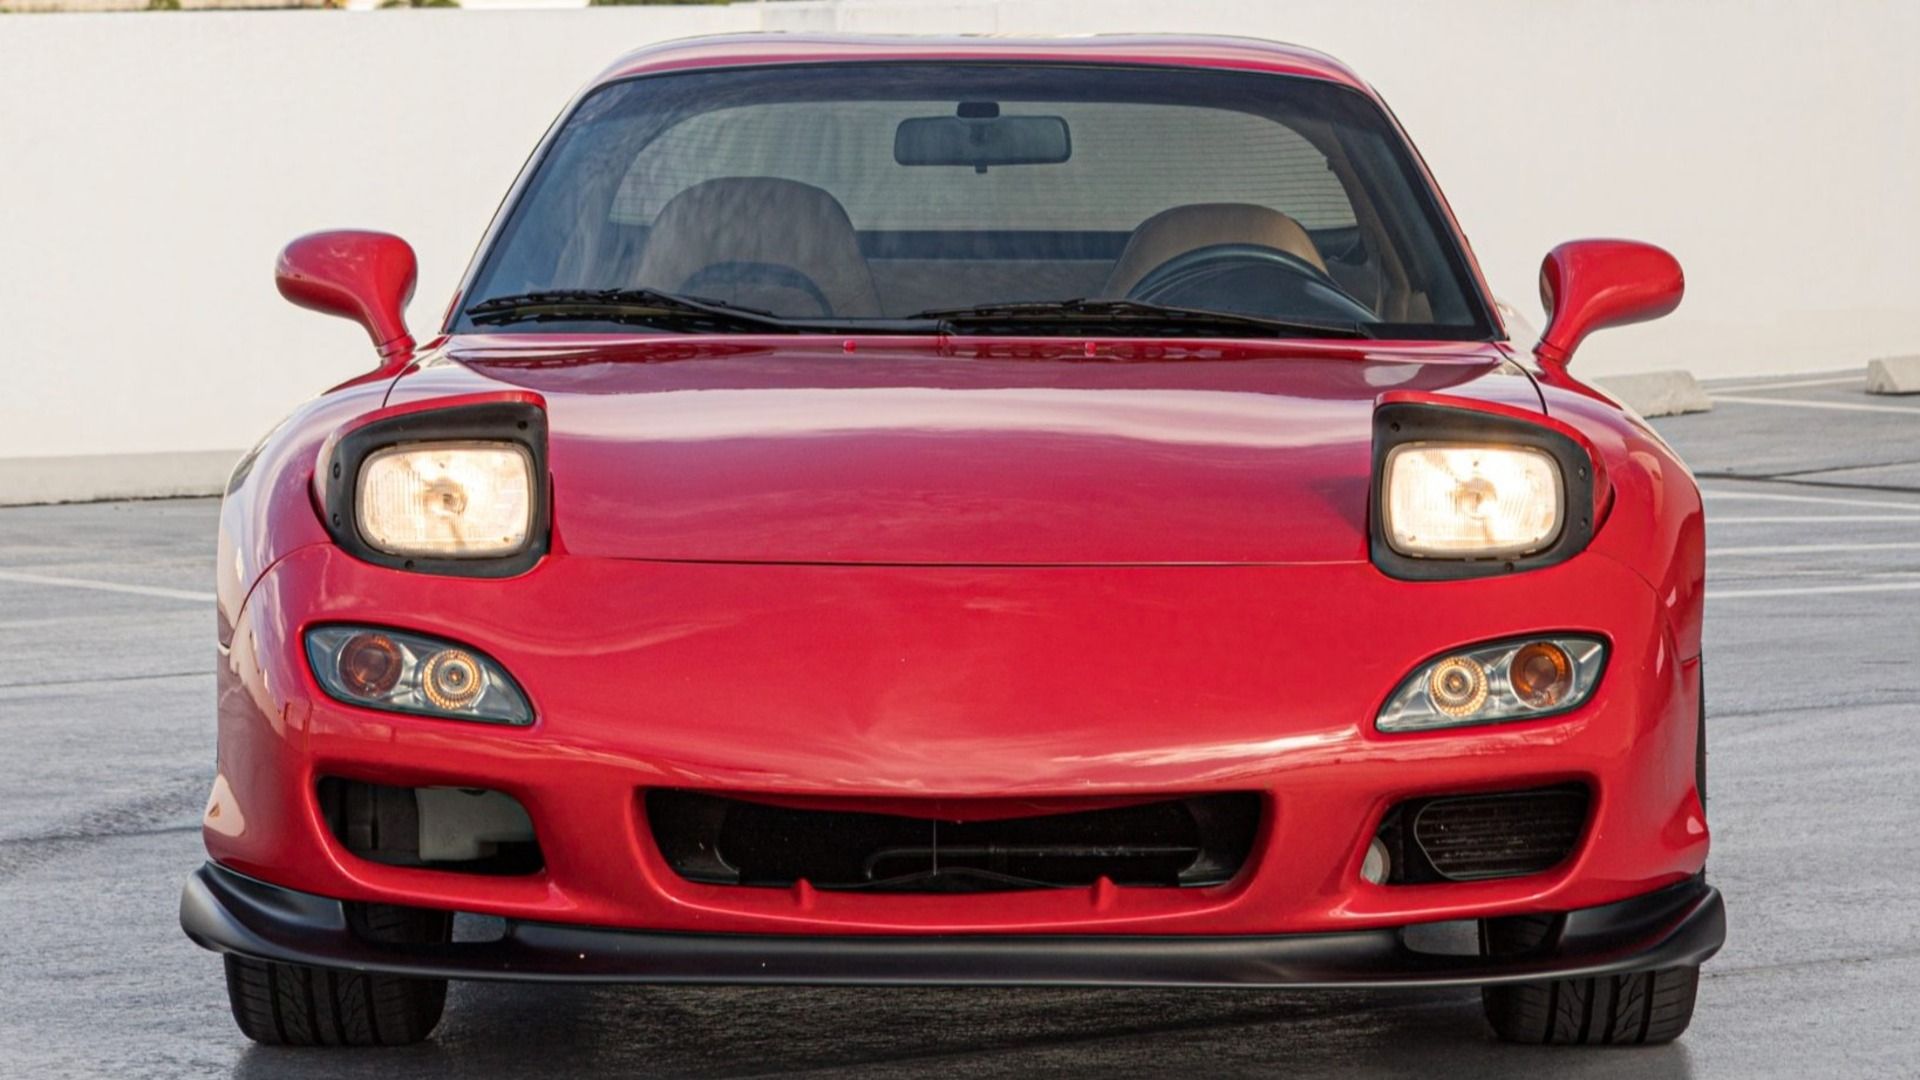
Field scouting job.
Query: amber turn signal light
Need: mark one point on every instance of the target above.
(1541, 674)
(370, 664)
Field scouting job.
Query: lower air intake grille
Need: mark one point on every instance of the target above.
(465, 830)
(1477, 837)
(1196, 841)
(1471, 837)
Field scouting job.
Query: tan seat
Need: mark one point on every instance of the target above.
(763, 242)
(1174, 232)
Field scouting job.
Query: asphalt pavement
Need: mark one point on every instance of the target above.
(1813, 637)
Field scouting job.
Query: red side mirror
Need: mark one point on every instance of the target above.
(1589, 285)
(364, 276)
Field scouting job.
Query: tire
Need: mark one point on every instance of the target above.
(1642, 1008)
(296, 1005)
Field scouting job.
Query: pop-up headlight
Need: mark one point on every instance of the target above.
(1472, 489)
(447, 489)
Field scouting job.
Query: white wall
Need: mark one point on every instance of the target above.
(151, 166)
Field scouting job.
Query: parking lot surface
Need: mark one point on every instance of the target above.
(1813, 636)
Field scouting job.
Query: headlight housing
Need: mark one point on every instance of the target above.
(1470, 489)
(449, 489)
(1497, 682)
(412, 673)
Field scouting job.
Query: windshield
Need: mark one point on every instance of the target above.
(953, 197)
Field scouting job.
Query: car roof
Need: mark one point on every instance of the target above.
(1171, 50)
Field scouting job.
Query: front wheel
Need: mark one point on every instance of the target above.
(297, 1005)
(1643, 1008)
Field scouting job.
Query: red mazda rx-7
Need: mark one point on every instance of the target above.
(978, 512)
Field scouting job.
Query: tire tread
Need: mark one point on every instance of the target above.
(296, 1005)
(1642, 1008)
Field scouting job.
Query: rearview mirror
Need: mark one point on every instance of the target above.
(364, 276)
(1589, 285)
(982, 141)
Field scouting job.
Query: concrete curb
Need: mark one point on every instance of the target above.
(93, 477)
(1658, 393)
(1894, 375)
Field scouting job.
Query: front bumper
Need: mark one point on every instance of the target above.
(1682, 924)
(914, 685)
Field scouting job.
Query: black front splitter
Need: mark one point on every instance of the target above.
(1683, 924)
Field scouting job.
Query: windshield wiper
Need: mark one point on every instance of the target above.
(646, 307)
(1128, 315)
(673, 311)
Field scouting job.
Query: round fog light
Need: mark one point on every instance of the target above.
(1458, 686)
(1377, 865)
(452, 679)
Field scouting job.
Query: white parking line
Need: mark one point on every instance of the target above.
(1718, 493)
(1811, 519)
(1801, 403)
(1747, 594)
(1795, 384)
(1795, 549)
(105, 586)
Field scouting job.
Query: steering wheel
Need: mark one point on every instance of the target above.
(1248, 279)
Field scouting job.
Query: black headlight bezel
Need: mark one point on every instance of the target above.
(518, 422)
(1399, 423)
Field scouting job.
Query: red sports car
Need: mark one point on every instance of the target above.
(973, 512)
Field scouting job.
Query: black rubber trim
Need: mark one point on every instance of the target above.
(497, 421)
(1682, 924)
(1405, 422)
(1700, 745)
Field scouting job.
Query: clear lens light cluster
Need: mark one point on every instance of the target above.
(1513, 680)
(387, 669)
(447, 500)
(1471, 501)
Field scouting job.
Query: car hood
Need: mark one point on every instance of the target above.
(962, 451)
